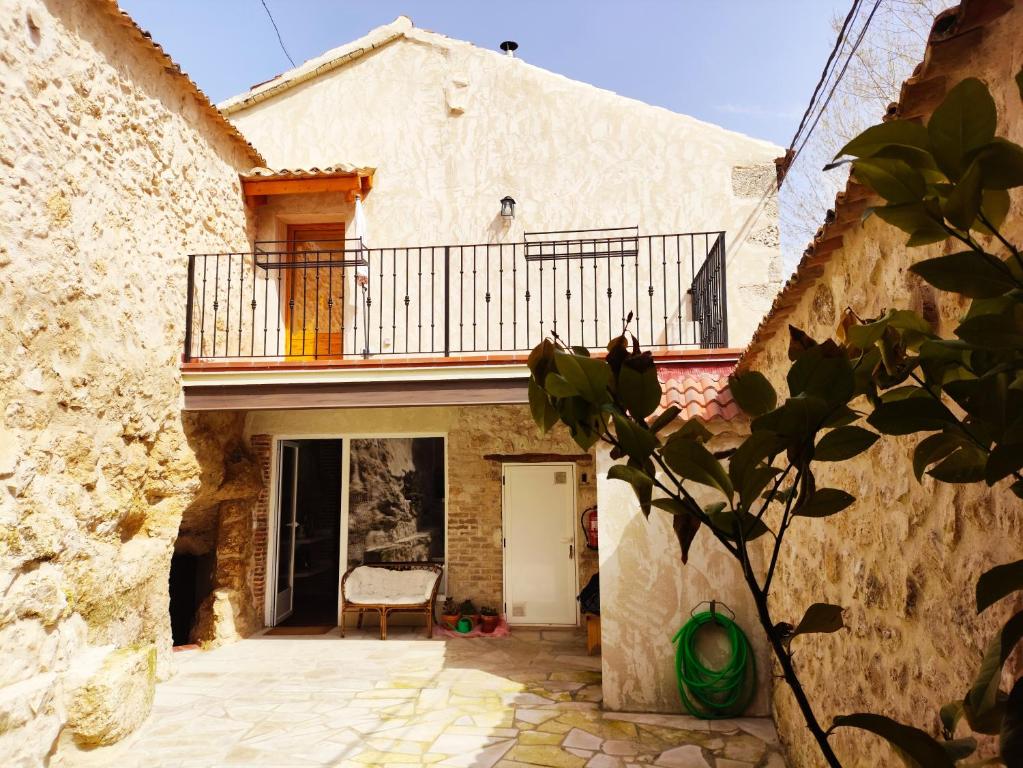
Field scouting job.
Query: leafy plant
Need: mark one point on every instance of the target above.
(468, 608)
(486, 610)
(948, 179)
(449, 608)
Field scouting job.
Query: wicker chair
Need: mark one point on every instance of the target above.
(425, 607)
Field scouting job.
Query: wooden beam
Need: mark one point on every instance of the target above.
(539, 458)
(300, 186)
(376, 394)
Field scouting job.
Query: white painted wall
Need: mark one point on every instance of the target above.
(452, 128)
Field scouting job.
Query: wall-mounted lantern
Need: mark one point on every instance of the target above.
(508, 207)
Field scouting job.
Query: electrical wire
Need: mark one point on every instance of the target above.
(825, 82)
(826, 72)
(841, 74)
(279, 40)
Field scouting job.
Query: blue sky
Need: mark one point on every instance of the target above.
(748, 65)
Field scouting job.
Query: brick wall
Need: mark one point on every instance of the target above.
(475, 557)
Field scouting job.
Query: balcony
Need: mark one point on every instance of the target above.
(335, 304)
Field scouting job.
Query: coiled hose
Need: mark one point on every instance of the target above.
(708, 693)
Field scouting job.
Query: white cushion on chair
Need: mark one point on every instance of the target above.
(385, 586)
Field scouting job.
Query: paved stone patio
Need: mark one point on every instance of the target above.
(529, 700)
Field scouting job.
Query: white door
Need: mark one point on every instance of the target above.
(539, 543)
(287, 496)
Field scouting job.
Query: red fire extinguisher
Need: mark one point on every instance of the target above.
(589, 523)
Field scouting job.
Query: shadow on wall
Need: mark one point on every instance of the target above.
(213, 551)
(647, 594)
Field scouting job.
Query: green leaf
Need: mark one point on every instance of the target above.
(684, 522)
(636, 441)
(685, 527)
(824, 502)
(963, 203)
(914, 414)
(995, 207)
(727, 523)
(795, 420)
(968, 273)
(1010, 738)
(965, 465)
(640, 481)
(916, 748)
(587, 376)
(820, 618)
(884, 135)
(823, 372)
(664, 418)
(745, 467)
(998, 582)
(950, 715)
(914, 219)
(692, 429)
(639, 391)
(965, 120)
(983, 695)
(931, 449)
(753, 392)
(1003, 461)
(558, 386)
(844, 443)
(959, 749)
(1001, 331)
(894, 180)
(544, 414)
(1000, 162)
(691, 461)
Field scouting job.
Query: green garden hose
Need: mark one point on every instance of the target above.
(708, 693)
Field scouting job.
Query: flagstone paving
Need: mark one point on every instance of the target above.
(529, 700)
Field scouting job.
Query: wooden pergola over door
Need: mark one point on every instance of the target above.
(314, 296)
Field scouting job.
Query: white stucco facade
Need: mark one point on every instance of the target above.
(452, 128)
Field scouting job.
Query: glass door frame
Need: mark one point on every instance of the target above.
(283, 599)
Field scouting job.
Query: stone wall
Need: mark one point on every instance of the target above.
(452, 128)
(111, 169)
(475, 556)
(904, 559)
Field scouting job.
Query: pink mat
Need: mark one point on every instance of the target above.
(501, 630)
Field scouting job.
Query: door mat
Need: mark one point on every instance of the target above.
(317, 630)
(501, 630)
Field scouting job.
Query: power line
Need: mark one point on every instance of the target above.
(825, 80)
(827, 71)
(841, 74)
(279, 40)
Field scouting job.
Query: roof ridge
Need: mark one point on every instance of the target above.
(119, 16)
(318, 65)
(403, 27)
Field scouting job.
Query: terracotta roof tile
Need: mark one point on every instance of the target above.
(954, 38)
(701, 392)
(330, 171)
(171, 67)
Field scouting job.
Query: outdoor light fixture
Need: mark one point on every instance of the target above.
(508, 207)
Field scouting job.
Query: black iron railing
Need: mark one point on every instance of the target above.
(334, 299)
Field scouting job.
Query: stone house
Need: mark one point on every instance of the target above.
(235, 370)
(905, 558)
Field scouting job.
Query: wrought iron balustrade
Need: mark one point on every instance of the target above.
(327, 300)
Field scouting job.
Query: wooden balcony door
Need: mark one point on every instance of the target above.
(314, 296)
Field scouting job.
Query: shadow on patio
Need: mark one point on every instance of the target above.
(532, 699)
